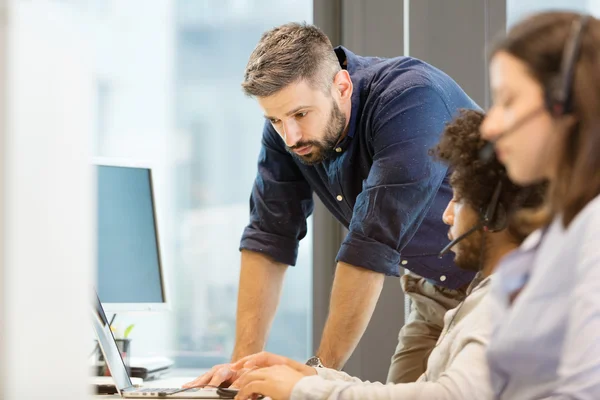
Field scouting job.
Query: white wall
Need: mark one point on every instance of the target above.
(3, 49)
(48, 220)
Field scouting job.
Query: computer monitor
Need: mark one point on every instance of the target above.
(129, 269)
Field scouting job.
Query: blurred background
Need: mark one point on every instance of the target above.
(167, 80)
(158, 82)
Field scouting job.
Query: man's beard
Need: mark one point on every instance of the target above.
(323, 149)
(469, 252)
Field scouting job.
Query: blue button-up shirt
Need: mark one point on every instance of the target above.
(381, 183)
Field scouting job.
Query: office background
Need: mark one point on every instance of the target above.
(158, 82)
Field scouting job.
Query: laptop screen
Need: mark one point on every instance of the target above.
(109, 347)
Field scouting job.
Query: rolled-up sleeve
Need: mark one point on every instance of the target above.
(403, 180)
(280, 203)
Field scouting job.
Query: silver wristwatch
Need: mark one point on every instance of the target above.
(315, 362)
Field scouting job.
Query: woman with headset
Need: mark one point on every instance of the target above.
(545, 125)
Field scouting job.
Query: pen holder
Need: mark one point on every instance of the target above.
(124, 346)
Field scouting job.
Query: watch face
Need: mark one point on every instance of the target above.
(314, 362)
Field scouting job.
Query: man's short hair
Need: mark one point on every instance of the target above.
(288, 54)
(474, 180)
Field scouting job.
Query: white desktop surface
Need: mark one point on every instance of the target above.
(173, 379)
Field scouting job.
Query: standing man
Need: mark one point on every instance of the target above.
(356, 131)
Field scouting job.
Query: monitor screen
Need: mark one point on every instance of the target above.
(129, 266)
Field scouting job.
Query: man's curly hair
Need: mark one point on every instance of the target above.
(474, 180)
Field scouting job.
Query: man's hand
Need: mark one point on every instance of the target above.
(265, 359)
(219, 375)
(276, 382)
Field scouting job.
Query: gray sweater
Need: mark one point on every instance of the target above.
(457, 368)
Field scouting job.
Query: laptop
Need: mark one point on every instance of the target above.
(121, 378)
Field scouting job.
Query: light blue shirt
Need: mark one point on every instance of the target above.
(546, 345)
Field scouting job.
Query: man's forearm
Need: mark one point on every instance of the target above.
(353, 298)
(258, 296)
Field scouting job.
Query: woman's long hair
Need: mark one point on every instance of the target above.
(539, 42)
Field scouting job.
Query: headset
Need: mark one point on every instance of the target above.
(559, 93)
(493, 218)
(558, 101)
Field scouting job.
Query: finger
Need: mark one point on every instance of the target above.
(245, 378)
(239, 364)
(204, 378)
(254, 358)
(254, 375)
(238, 375)
(255, 387)
(298, 366)
(201, 380)
(266, 360)
(222, 375)
(269, 360)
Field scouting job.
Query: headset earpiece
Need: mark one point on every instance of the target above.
(559, 93)
(499, 220)
(495, 217)
(555, 106)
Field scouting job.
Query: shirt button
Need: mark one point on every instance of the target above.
(404, 262)
(339, 197)
(443, 278)
(338, 149)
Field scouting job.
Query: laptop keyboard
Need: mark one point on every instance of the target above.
(166, 390)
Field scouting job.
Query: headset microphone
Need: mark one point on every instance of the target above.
(460, 239)
(487, 151)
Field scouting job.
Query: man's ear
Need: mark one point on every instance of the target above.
(343, 85)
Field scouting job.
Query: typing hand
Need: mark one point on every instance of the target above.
(265, 359)
(219, 375)
(275, 382)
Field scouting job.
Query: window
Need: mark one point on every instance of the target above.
(518, 9)
(168, 94)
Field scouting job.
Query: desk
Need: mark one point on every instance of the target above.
(173, 379)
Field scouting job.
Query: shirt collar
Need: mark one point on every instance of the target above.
(351, 63)
(514, 269)
(478, 281)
